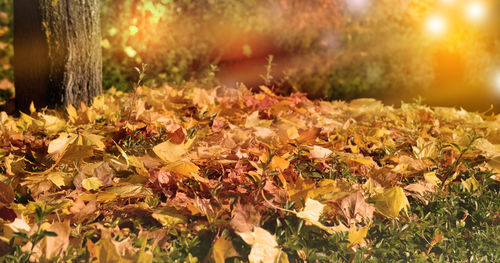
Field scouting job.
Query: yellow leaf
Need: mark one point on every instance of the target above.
(25, 121)
(278, 163)
(490, 150)
(168, 216)
(53, 124)
(130, 190)
(264, 245)
(92, 183)
(106, 252)
(391, 201)
(325, 190)
(61, 143)
(123, 153)
(424, 150)
(312, 210)
(432, 178)
(170, 152)
(32, 107)
(138, 165)
(371, 188)
(185, 168)
(72, 113)
(223, 249)
(57, 178)
(89, 139)
(357, 236)
(365, 161)
(470, 184)
(105, 197)
(288, 131)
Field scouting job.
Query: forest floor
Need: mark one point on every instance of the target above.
(168, 175)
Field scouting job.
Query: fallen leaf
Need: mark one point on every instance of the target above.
(356, 209)
(56, 246)
(169, 216)
(318, 152)
(170, 152)
(264, 245)
(279, 164)
(312, 210)
(7, 194)
(357, 236)
(185, 168)
(223, 249)
(432, 178)
(391, 201)
(92, 183)
(245, 217)
(61, 143)
(470, 184)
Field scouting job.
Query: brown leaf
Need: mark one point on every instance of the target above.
(355, 208)
(105, 173)
(309, 136)
(7, 214)
(245, 217)
(81, 212)
(177, 137)
(56, 246)
(7, 195)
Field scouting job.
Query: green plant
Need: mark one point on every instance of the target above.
(20, 256)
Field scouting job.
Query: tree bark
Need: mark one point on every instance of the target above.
(57, 52)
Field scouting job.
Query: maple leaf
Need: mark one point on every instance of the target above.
(264, 246)
(355, 208)
(357, 236)
(311, 211)
(170, 152)
(391, 201)
(278, 163)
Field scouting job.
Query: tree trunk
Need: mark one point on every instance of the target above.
(57, 52)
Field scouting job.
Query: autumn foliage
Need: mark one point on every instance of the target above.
(121, 180)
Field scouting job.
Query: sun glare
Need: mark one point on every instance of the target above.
(436, 25)
(475, 11)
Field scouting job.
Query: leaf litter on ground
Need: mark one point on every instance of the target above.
(226, 159)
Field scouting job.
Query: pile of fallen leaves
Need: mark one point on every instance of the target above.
(145, 166)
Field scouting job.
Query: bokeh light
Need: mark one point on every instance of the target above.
(475, 11)
(496, 82)
(358, 6)
(436, 25)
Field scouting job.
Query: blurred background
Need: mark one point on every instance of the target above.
(445, 52)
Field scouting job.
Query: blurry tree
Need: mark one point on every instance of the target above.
(57, 52)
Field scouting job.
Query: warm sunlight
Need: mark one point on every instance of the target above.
(448, 2)
(436, 25)
(496, 82)
(475, 11)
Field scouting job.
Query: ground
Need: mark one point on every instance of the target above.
(197, 175)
